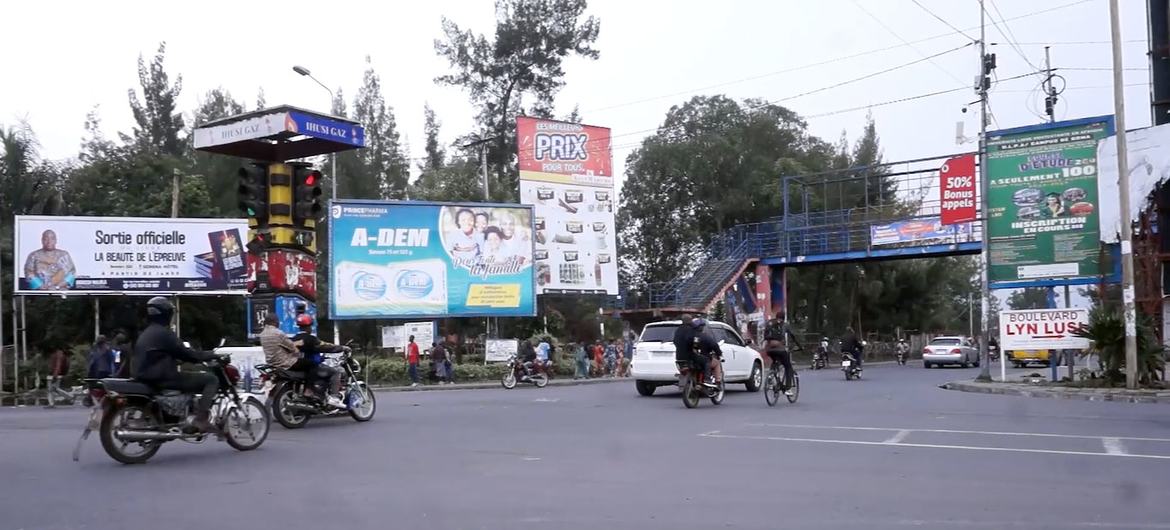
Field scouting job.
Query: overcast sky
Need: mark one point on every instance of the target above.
(64, 58)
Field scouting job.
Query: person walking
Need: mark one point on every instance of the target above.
(581, 360)
(598, 359)
(100, 360)
(611, 359)
(442, 362)
(412, 361)
(58, 369)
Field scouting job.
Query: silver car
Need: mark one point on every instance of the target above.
(950, 350)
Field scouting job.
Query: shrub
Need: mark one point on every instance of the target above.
(1106, 330)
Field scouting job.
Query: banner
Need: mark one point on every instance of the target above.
(285, 306)
(1043, 329)
(566, 174)
(414, 259)
(916, 231)
(396, 337)
(1042, 194)
(1148, 154)
(500, 350)
(957, 190)
(114, 255)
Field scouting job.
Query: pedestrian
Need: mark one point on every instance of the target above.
(542, 350)
(412, 361)
(125, 350)
(440, 361)
(611, 358)
(581, 361)
(58, 369)
(100, 360)
(598, 359)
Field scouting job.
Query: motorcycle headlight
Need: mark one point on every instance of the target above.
(355, 366)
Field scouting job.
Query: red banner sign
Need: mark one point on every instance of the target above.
(957, 190)
(555, 147)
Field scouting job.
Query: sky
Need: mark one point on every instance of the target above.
(654, 54)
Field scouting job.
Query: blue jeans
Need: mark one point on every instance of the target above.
(413, 371)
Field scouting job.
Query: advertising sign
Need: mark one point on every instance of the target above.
(957, 190)
(1043, 202)
(1042, 329)
(915, 231)
(1148, 154)
(283, 270)
(114, 255)
(414, 259)
(566, 174)
(396, 337)
(286, 307)
(282, 120)
(500, 350)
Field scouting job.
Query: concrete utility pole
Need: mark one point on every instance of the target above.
(985, 256)
(1123, 184)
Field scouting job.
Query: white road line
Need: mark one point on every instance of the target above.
(897, 438)
(1114, 446)
(951, 431)
(933, 446)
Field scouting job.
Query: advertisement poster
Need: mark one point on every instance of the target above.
(566, 174)
(500, 350)
(414, 259)
(957, 190)
(916, 231)
(285, 306)
(1043, 329)
(142, 255)
(1043, 202)
(396, 337)
(1148, 156)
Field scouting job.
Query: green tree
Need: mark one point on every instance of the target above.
(384, 165)
(1028, 298)
(524, 58)
(158, 123)
(218, 171)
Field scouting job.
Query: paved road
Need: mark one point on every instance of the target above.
(888, 452)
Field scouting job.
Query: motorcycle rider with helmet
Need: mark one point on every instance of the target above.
(158, 353)
(851, 345)
(323, 378)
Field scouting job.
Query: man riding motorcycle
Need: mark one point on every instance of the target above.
(705, 353)
(158, 353)
(851, 345)
(774, 334)
(324, 378)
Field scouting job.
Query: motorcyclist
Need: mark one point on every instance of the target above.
(527, 356)
(325, 377)
(851, 345)
(158, 353)
(903, 348)
(775, 335)
(705, 352)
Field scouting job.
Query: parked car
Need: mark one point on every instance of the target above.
(950, 350)
(1021, 358)
(653, 363)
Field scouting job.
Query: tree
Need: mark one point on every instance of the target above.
(1028, 298)
(523, 59)
(384, 170)
(159, 124)
(436, 156)
(218, 171)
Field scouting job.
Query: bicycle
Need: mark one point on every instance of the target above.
(774, 383)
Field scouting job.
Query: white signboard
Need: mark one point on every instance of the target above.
(246, 359)
(138, 255)
(1042, 329)
(500, 350)
(396, 336)
(1148, 155)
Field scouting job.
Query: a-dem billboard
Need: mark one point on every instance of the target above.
(411, 259)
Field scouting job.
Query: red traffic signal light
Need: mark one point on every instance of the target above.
(306, 194)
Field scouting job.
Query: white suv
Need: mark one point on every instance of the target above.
(653, 363)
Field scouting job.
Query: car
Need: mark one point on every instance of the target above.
(1021, 358)
(950, 350)
(653, 363)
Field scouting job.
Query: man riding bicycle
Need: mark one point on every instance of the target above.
(774, 336)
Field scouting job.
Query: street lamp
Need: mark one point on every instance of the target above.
(333, 170)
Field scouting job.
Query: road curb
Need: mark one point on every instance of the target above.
(1082, 394)
(495, 384)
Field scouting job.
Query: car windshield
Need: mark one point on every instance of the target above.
(664, 333)
(945, 342)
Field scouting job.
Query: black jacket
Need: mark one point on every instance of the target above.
(159, 351)
(684, 338)
(312, 347)
(527, 352)
(706, 345)
(850, 344)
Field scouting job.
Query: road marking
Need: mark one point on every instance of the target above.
(1113, 446)
(897, 438)
(932, 446)
(951, 431)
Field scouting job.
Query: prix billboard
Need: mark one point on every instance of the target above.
(1043, 200)
(566, 174)
(416, 259)
(139, 255)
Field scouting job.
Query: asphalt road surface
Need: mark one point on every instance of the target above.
(889, 451)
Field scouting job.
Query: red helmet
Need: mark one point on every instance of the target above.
(304, 320)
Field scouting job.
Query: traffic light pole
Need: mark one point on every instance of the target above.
(333, 197)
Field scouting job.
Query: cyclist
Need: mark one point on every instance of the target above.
(774, 336)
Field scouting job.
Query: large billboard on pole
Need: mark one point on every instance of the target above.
(566, 174)
(136, 255)
(417, 259)
(1043, 201)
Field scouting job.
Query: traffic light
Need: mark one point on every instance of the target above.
(306, 195)
(253, 192)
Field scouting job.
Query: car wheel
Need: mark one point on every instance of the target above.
(926, 365)
(755, 381)
(644, 388)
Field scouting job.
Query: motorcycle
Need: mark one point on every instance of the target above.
(993, 352)
(293, 409)
(850, 367)
(901, 354)
(521, 372)
(694, 388)
(134, 419)
(820, 358)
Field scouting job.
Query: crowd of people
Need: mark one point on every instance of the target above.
(602, 359)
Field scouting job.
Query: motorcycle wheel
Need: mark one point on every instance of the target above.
(116, 418)
(719, 393)
(509, 380)
(246, 426)
(771, 389)
(540, 379)
(365, 411)
(795, 388)
(689, 396)
(288, 418)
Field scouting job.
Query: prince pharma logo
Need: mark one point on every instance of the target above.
(335, 211)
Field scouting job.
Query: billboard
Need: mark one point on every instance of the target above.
(957, 190)
(1043, 329)
(499, 350)
(1148, 153)
(915, 231)
(566, 174)
(1043, 201)
(139, 255)
(285, 306)
(411, 259)
(396, 337)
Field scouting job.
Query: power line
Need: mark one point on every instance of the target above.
(941, 19)
(904, 41)
(1008, 35)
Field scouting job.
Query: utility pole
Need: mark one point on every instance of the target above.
(1049, 90)
(986, 63)
(1123, 184)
